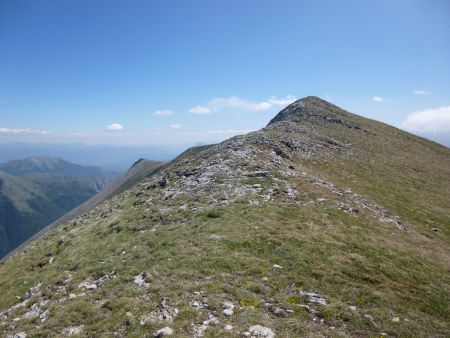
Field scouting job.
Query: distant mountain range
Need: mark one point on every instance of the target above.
(110, 157)
(37, 190)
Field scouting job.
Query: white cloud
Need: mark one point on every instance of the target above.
(282, 101)
(421, 92)
(28, 131)
(237, 104)
(201, 110)
(175, 126)
(377, 99)
(429, 120)
(163, 113)
(114, 127)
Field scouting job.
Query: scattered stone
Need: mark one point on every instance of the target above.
(43, 316)
(36, 310)
(276, 266)
(228, 312)
(228, 306)
(107, 276)
(199, 329)
(165, 331)
(197, 304)
(35, 291)
(352, 307)
(17, 335)
(396, 319)
(261, 331)
(228, 327)
(163, 313)
(73, 330)
(313, 297)
(277, 311)
(321, 200)
(140, 280)
(87, 285)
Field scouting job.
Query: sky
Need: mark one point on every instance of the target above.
(192, 72)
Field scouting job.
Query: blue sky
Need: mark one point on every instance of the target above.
(176, 72)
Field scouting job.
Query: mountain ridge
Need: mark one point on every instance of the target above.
(308, 227)
(53, 166)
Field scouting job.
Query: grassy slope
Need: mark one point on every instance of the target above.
(228, 252)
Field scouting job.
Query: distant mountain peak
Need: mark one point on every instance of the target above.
(311, 108)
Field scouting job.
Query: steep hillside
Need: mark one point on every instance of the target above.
(137, 172)
(36, 191)
(323, 223)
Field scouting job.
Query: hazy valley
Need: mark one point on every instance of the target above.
(36, 191)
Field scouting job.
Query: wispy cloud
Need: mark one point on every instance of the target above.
(377, 99)
(218, 132)
(201, 110)
(282, 101)
(163, 113)
(421, 92)
(175, 126)
(429, 120)
(114, 127)
(3, 101)
(23, 131)
(237, 104)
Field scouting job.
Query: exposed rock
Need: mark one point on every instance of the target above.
(36, 310)
(165, 331)
(107, 276)
(73, 330)
(199, 329)
(34, 291)
(261, 331)
(87, 285)
(312, 297)
(140, 280)
(163, 313)
(228, 308)
(17, 335)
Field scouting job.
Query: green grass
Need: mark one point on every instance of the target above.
(334, 258)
